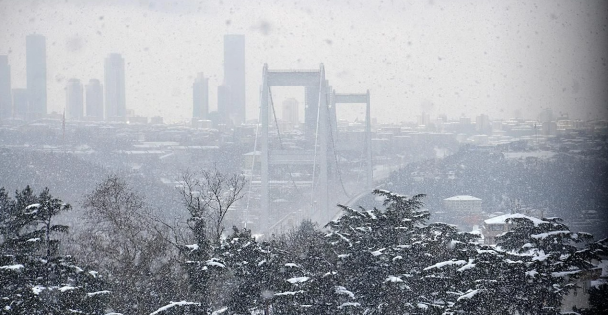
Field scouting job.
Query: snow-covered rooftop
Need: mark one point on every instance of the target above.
(502, 218)
(462, 197)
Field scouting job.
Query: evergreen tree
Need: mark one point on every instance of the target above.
(34, 277)
(529, 271)
(382, 255)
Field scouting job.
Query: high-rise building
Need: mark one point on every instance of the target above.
(546, 115)
(6, 100)
(94, 99)
(115, 88)
(290, 112)
(424, 119)
(74, 100)
(234, 77)
(200, 96)
(20, 103)
(35, 46)
(483, 124)
(224, 100)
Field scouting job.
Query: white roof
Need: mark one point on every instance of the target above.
(462, 197)
(502, 218)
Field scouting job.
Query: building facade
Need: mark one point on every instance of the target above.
(35, 50)
(74, 100)
(200, 97)
(20, 103)
(224, 99)
(234, 77)
(290, 111)
(6, 100)
(114, 83)
(463, 210)
(94, 100)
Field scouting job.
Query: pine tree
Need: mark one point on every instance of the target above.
(381, 254)
(529, 271)
(34, 277)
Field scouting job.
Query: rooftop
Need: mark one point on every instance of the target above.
(501, 219)
(462, 197)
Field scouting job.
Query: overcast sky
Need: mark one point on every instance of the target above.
(501, 58)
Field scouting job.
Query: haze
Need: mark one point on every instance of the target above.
(504, 59)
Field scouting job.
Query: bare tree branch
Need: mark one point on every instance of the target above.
(208, 196)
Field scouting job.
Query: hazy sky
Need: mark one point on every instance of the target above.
(502, 58)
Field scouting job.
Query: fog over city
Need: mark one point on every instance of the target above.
(504, 59)
(303, 157)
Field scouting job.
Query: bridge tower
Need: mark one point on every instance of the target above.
(320, 116)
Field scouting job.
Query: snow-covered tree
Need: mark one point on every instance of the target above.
(382, 255)
(208, 196)
(35, 278)
(529, 271)
(121, 238)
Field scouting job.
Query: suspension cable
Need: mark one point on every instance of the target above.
(274, 113)
(333, 144)
(255, 145)
(314, 165)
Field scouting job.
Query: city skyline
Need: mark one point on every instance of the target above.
(505, 60)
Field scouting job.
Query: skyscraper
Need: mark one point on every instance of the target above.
(6, 101)
(115, 88)
(74, 100)
(35, 46)
(200, 96)
(20, 103)
(290, 111)
(234, 77)
(224, 100)
(94, 99)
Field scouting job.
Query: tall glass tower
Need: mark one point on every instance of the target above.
(35, 53)
(115, 88)
(6, 100)
(74, 100)
(94, 99)
(200, 96)
(234, 77)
